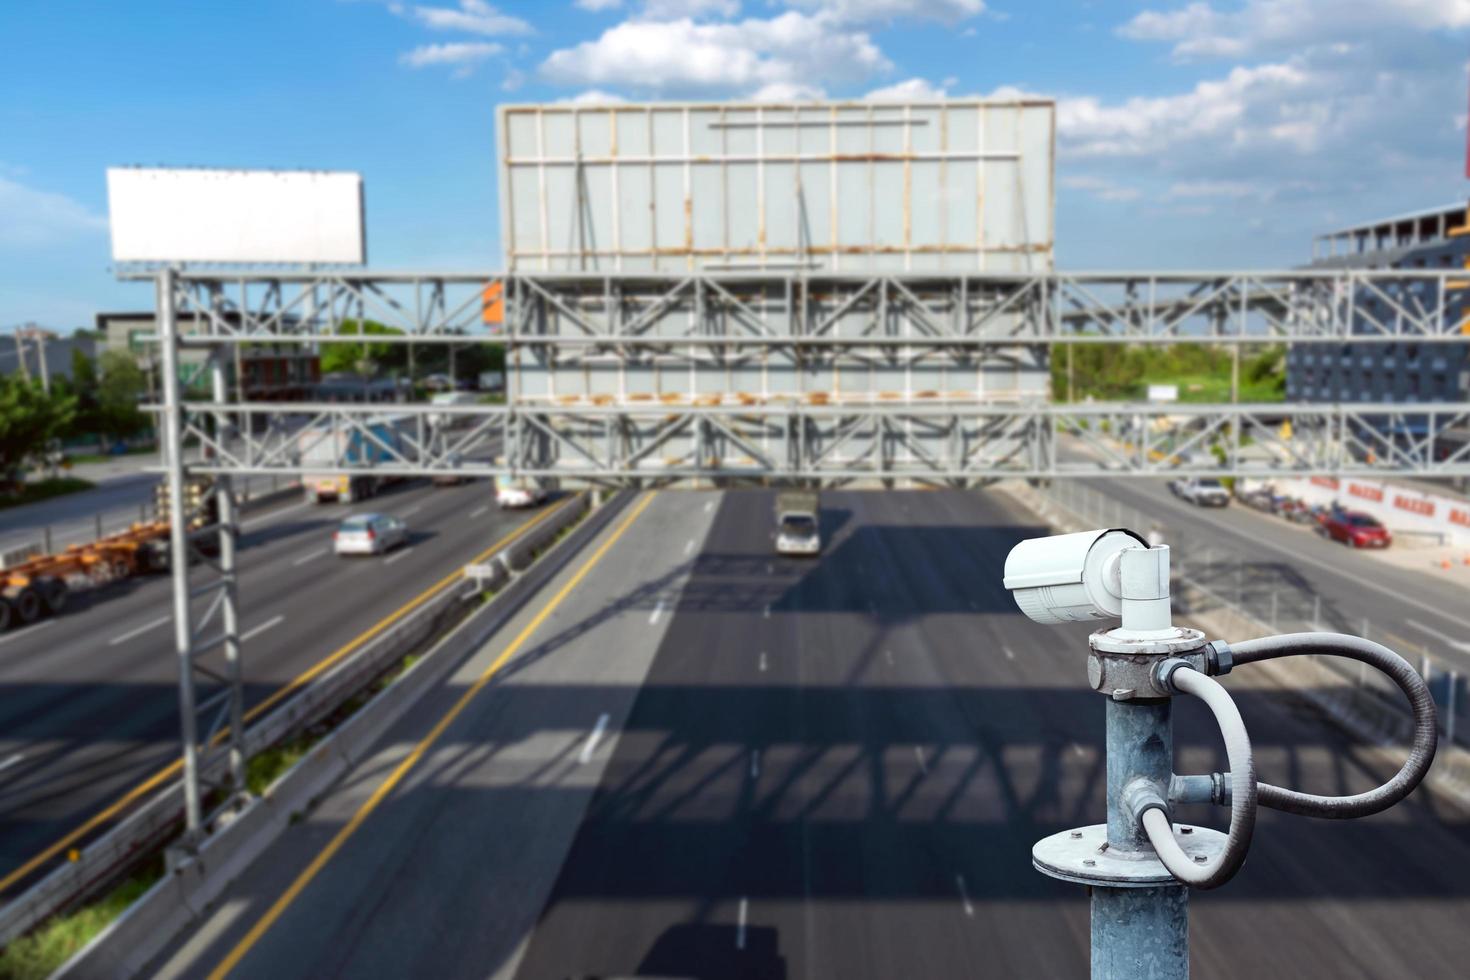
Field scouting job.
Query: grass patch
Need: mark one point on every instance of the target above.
(266, 767)
(38, 490)
(41, 952)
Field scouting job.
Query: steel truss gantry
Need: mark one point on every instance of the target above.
(764, 375)
(629, 313)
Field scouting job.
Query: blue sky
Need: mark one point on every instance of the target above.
(1211, 133)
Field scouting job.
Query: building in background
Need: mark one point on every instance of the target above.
(1438, 238)
(261, 372)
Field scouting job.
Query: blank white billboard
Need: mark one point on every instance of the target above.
(161, 214)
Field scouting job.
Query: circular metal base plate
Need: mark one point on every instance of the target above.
(1066, 856)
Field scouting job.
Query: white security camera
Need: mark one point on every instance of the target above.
(1068, 578)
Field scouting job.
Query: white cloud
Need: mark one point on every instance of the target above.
(471, 17)
(864, 11)
(908, 90)
(596, 6)
(1199, 30)
(1232, 111)
(787, 92)
(593, 96)
(742, 57)
(462, 54)
(31, 217)
(694, 9)
(1100, 187)
(1212, 188)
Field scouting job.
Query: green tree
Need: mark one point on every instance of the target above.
(367, 358)
(118, 392)
(84, 384)
(30, 419)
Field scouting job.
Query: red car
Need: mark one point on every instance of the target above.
(1356, 529)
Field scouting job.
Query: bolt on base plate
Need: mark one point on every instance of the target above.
(1084, 857)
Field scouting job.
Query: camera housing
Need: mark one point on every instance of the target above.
(1070, 578)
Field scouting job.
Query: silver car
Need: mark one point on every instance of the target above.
(369, 534)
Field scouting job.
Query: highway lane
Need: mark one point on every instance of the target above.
(830, 769)
(118, 500)
(887, 829)
(1237, 550)
(88, 700)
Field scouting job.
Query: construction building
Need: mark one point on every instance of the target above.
(1438, 238)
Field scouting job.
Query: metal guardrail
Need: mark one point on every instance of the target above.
(100, 861)
(1266, 600)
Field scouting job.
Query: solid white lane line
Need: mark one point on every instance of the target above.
(309, 556)
(1009, 655)
(763, 663)
(409, 512)
(11, 761)
(273, 621)
(1457, 644)
(590, 746)
(402, 554)
(688, 546)
(919, 754)
(27, 631)
(965, 895)
(479, 510)
(658, 611)
(709, 505)
(154, 624)
(755, 763)
(740, 927)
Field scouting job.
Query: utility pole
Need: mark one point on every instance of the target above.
(40, 336)
(20, 354)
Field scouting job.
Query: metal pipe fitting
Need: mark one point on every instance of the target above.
(1156, 824)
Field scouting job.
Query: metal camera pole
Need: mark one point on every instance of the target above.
(1140, 864)
(1140, 911)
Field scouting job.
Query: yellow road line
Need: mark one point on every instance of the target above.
(173, 768)
(427, 742)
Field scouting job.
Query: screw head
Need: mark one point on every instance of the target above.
(1200, 859)
(1076, 835)
(1088, 862)
(1186, 830)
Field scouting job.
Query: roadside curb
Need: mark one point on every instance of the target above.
(189, 891)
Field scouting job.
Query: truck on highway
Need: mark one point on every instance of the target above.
(380, 440)
(511, 493)
(1206, 492)
(798, 529)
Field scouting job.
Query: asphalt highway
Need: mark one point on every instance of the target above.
(1239, 552)
(692, 758)
(88, 699)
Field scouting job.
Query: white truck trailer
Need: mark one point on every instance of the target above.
(380, 440)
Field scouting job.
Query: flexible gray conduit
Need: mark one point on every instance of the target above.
(1156, 821)
(1426, 724)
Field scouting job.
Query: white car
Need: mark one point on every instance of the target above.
(1205, 492)
(369, 534)
(511, 495)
